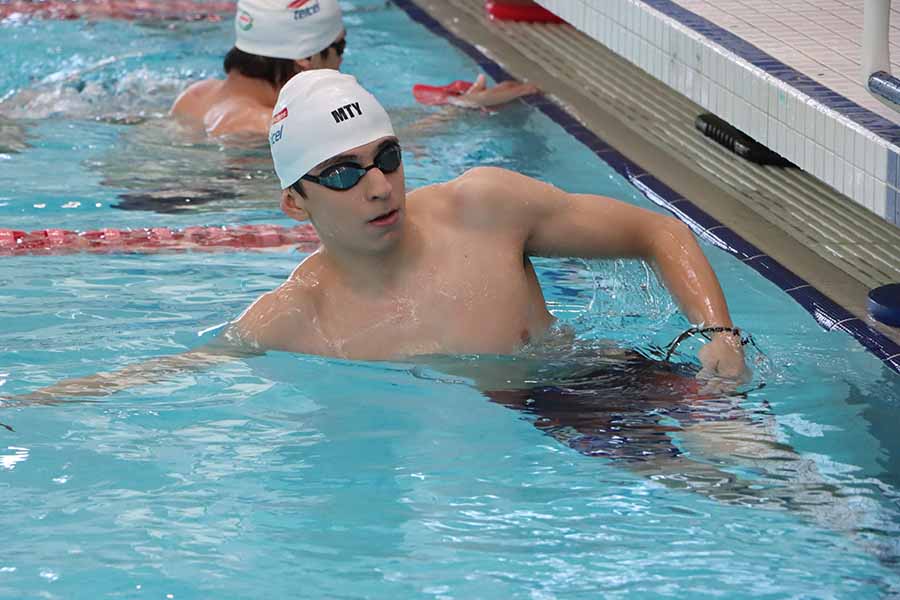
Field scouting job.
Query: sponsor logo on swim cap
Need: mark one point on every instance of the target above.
(346, 112)
(303, 8)
(276, 135)
(245, 21)
(281, 116)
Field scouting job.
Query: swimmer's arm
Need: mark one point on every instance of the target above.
(556, 223)
(144, 373)
(262, 326)
(477, 97)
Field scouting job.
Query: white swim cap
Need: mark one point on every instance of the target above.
(287, 29)
(320, 114)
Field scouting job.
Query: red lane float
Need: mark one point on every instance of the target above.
(165, 10)
(519, 11)
(439, 94)
(156, 240)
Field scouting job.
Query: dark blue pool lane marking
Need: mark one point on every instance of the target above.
(827, 313)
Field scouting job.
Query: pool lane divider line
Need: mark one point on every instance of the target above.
(155, 240)
(827, 313)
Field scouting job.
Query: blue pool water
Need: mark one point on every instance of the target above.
(297, 476)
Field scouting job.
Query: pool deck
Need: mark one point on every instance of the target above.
(789, 74)
(822, 248)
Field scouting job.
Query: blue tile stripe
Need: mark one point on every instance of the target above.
(828, 314)
(875, 123)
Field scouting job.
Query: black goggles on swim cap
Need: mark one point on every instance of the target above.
(344, 176)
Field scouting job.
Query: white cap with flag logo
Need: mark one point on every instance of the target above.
(320, 114)
(285, 28)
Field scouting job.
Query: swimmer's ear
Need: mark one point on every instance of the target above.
(304, 64)
(292, 204)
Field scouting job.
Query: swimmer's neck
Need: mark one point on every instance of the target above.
(376, 272)
(258, 90)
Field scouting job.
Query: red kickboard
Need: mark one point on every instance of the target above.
(439, 94)
(514, 12)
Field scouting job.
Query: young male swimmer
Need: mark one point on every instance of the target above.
(275, 39)
(444, 269)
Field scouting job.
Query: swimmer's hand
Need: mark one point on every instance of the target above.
(481, 96)
(723, 358)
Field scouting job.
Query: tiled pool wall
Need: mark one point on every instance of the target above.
(829, 315)
(848, 147)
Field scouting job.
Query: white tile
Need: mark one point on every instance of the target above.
(879, 200)
(872, 147)
(790, 144)
(772, 100)
(859, 186)
(780, 102)
(870, 193)
(730, 101)
(780, 138)
(666, 41)
(849, 144)
(840, 165)
(731, 71)
(705, 92)
(809, 156)
(840, 134)
(758, 127)
(809, 118)
(819, 165)
(722, 66)
(687, 87)
(859, 148)
(849, 170)
(820, 124)
(697, 87)
(830, 125)
(706, 65)
(881, 156)
(744, 116)
(828, 173)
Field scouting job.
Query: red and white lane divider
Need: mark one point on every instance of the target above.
(156, 240)
(165, 10)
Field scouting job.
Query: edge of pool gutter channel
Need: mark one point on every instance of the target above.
(835, 298)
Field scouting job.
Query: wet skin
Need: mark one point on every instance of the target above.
(447, 270)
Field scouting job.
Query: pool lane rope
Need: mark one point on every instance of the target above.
(165, 10)
(155, 240)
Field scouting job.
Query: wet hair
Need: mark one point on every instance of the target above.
(276, 71)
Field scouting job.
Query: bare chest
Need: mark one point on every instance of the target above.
(461, 304)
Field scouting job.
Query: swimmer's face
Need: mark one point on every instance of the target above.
(367, 217)
(334, 54)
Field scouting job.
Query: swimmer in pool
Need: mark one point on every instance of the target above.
(445, 269)
(275, 40)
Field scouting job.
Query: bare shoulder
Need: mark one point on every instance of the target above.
(492, 196)
(187, 102)
(278, 320)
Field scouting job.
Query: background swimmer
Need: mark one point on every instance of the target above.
(273, 42)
